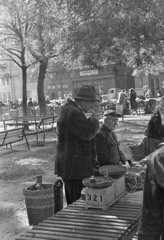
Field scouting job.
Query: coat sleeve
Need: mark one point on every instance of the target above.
(83, 128)
(103, 156)
(159, 170)
(159, 127)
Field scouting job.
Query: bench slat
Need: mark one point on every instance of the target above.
(12, 136)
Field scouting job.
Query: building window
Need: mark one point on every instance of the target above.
(3, 81)
(4, 97)
(9, 95)
(65, 85)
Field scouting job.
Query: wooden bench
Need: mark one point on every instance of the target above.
(76, 222)
(9, 137)
(42, 126)
(20, 121)
(25, 121)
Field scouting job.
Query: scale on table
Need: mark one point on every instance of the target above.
(102, 192)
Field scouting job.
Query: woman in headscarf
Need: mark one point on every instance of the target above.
(154, 134)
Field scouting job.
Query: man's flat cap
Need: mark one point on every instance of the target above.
(112, 113)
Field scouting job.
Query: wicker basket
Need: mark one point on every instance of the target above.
(42, 204)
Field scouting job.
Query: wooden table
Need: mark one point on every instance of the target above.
(76, 222)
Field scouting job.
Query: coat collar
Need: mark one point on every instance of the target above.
(105, 129)
(109, 134)
(72, 103)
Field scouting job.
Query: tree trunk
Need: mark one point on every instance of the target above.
(40, 86)
(24, 89)
(24, 93)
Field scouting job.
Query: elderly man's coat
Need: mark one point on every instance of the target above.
(107, 148)
(75, 153)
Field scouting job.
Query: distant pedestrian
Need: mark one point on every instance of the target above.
(148, 94)
(159, 94)
(122, 99)
(30, 103)
(15, 104)
(9, 103)
(47, 101)
(132, 99)
(1, 109)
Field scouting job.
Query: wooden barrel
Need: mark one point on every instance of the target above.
(41, 204)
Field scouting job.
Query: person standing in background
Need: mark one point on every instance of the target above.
(1, 109)
(154, 134)
(75, 149)
(159, 94)
(132, 99)
(148, 94)
(30, 103)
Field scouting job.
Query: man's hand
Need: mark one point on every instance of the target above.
(126, 165)
(95, 115)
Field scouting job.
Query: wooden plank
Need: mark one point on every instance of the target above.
(127, 205)
(90, 218)
(107, 214)
(115, 223)
(2, 137)
(29, 238)
(79, 230)
(73, 234)
(79, 225)
(121, 209)
(121, 212)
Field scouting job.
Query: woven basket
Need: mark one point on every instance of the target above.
(42, 204)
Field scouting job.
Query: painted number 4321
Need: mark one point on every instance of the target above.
(95, 198)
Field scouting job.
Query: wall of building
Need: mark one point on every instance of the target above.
(152, 82)
(5, 80)
(102, 80)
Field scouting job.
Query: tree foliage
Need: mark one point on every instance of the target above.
(16, 22)
(48, 39)
(35, 29)
(128, 31)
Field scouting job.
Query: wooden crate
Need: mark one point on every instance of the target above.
(104, 198)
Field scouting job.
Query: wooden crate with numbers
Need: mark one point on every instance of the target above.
(105, 197)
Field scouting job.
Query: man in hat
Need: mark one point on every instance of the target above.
(107, 146)
(75, 153)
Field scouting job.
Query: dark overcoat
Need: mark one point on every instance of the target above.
(151, 222)
(75, 153)
(155, 129)
(133, 103)
(107, 148)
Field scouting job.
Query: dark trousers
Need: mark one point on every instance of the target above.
(73, 188)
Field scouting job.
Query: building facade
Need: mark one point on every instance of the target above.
(152, 82)
(11, 82)
(64, 83)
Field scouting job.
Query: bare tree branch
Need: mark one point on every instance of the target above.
(13, 60)
(16, 55)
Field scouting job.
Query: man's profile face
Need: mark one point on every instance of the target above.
(88, 106)
(111, 122)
